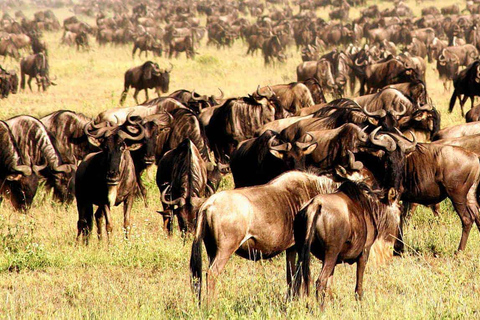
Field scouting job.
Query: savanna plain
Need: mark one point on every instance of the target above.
(44, 273)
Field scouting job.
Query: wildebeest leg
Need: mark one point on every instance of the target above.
(135, 94)
(133, 52)
(108, 221)
(146, 95)
(290, 257)
(124, 96)
(99, 220)
(327, 270)
(462, 102)
(472, 100)
(218, 259)
(361, 264)
(435, 209)
(467, 221)
(445, 84)
(85, 220)
(127, 208)
(30, 83)
(157, 89)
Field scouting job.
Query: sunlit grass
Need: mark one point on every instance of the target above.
(44, 273)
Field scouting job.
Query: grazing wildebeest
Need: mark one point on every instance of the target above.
(467, 83)
(145, 43)
(36, 149)
(272, 49)
(342, 227)
(35, 66)
(292, 97)
(144, 77)
(107, 178)
(253, 222)
(181, 177)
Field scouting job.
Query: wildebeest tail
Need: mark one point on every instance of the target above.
(304, 231)
(452, 101)
(196, 255)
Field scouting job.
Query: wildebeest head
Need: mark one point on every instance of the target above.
(449, 62)
(114, 142)
(42, 71)
(154, 125)
(293, 154)
(204, 101)
(271, 98)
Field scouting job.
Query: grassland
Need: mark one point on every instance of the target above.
(45, 274)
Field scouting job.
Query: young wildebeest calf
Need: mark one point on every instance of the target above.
(107, 178)
(342, 227)
(254, 222)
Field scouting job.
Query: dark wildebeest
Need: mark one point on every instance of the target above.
(36, 149)
(447, 66)
(378, 75)
(107, 178)
(144, 77)
(238, 119)
(467, 83)
(8, 48)
(145, 43)
(8, 82)
(195, 101)
(81, 40)
(322, 71)
(35, 66)
(473, 114)
(185, 44)
(272, 49)
(66, 129)
(181, 177)
(342, 227)
(316, 90)
(253, 222)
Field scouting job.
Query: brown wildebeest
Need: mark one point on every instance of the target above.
(342, 227)
(253, 222)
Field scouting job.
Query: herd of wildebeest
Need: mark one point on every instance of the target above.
(333, 179)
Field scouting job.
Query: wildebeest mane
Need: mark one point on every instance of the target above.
(338, 112)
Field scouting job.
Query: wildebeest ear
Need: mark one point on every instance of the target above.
(392, 194)
(276, 153)
(94, 142)
(210, 166)
(135, 146)
(341, 172)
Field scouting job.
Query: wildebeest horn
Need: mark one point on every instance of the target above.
(304, 145)
(403, 146)
(387, 142)
(362, 136)
(129, 135)
(200, 98)
(24, 170)
(477, 78)
(399, 113)
(66, 168)
(425, 107)
(379, 113)
(259, 94)
(36, 169)
(96, 131)
(221, 95)
(360, 65)
(355, 165)
(180, 201)
(281, 147)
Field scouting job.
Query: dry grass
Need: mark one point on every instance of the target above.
(43, 273)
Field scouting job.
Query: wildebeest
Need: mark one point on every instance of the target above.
(238, 119)
(8, 48)
(144, 77)
(459, 130)
(292, 97)
(473, 114)
(321, 70)
(316, 90)
(107, 178)
(466, 84)
(35, 66)
(36, 149)
(66, 128)
(182, 181)
(272, 49)
(342, 227)
(447, 66)
(254, 222)
(8, 82)
(145, 43)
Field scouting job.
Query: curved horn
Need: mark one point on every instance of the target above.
(399, 113)
(304, 145)
(425, 107)
(379, 113)
(403, 146)
(97, 132)
(127, 135)
(25, 170)
(387, 142)
(194, 98)
(362, 136)
(281, 147)
(360, 65)
(355, 165)
(258, 92)
(221, 95)
(179, 201)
